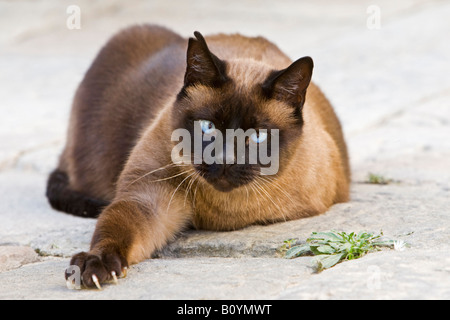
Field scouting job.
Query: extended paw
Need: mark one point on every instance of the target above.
(94, 270)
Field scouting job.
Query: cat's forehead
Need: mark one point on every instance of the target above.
(224, 104)
(246, 73)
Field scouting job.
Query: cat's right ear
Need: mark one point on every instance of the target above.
(289, 85)
(203, 67)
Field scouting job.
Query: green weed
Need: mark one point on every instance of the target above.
(330, 248)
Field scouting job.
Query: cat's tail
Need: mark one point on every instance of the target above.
(62, 198)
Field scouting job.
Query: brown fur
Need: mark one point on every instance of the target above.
(119, 147)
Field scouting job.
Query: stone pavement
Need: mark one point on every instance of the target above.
(389, 86)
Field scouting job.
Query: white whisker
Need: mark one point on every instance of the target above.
(156, 170)
(173, 194)
(275, 183)
(279, 207)
(189, 187)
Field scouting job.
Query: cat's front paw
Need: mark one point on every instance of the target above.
(93, 270)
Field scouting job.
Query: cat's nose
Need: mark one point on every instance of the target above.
(216, 170)
(219, 170)
(227, 156)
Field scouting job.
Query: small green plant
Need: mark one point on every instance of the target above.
(287, 245)
(377, 179)
(333, 247)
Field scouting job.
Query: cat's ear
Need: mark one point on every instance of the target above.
(289, 85)
(203, 66)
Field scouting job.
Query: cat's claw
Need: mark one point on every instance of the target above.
(96, 270)
(96, 282)
(114, 276)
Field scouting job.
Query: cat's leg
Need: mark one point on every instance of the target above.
(129, 231)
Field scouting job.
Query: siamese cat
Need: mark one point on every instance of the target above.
(147, 82)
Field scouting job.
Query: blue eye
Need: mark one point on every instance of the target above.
(259, 137)
(207, 126)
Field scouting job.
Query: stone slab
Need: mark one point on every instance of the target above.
(12, 257)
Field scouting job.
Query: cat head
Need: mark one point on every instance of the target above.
(246, 97)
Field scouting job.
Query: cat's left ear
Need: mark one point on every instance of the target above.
(202, 65)
(289, 85)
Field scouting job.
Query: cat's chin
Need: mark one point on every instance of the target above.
(221, 188)
(222, 185)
